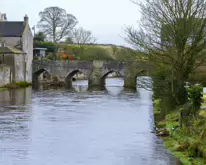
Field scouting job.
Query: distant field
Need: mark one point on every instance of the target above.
(117, 52)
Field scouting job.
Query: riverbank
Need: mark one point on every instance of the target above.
(188, 144)
(15, 85)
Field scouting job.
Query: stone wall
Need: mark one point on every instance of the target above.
(4, 75)
(19, 68)
(16, 62)
(95, 71)
(13, 41)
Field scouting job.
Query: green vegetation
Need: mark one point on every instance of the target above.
(3, 89)
(186, 125)
(50, 46)
(89, 52)
(17, 85)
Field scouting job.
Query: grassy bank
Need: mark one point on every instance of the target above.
(16, 85)
(3, 89)
(188, 144)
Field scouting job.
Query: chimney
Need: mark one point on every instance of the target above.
(26, 20)
(3, 17)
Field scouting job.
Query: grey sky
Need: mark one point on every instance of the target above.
(105, 18)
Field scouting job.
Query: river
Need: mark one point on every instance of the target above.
(79, 127)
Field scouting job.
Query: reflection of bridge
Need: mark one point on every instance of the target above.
(95, 71)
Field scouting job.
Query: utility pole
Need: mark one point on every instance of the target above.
(33, 28)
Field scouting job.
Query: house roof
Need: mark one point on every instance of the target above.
(10, 50)
(11, 29)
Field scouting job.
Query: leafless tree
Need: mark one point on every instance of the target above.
(82, 38)
(56, 23)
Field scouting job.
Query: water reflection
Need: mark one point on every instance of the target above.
(15, 119)
(15, 99)
(79, 127)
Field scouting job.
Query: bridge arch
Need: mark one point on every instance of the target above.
(69, 77)
(142, 72)
(36, 74)
(103, 78)
(130, 79)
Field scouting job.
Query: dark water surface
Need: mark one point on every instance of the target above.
(79, 127)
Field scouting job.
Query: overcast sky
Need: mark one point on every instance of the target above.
(105, 18)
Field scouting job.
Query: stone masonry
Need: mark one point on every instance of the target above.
(5, 77)
(95, 71)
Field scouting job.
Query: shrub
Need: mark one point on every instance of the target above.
(51, 47)
(195, 94)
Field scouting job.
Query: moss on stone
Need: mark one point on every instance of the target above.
(18, 85)
(23, 84)
(3, 89)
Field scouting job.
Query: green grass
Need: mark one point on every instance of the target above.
(103, 52)
(3, 89)
(185, 144)
(156, 103)
(18, 85)
(179, 151)
(23, 84)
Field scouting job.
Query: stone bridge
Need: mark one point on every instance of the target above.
(95, 71)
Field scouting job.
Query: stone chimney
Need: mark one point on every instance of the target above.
(26, 20)
(3, 17)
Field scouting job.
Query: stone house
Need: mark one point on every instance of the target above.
(15, 59)
(16, 48)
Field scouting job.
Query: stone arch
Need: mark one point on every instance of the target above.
(68, 80)
(103, 78)
(142, 79)
(35, 77)
(130, 79)
(142, 72)
(37, 74)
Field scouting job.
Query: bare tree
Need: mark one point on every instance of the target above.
(172, 34)
(82, 36)
(56, 23)
(114, 50)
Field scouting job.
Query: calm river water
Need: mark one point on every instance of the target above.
(79, 127)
